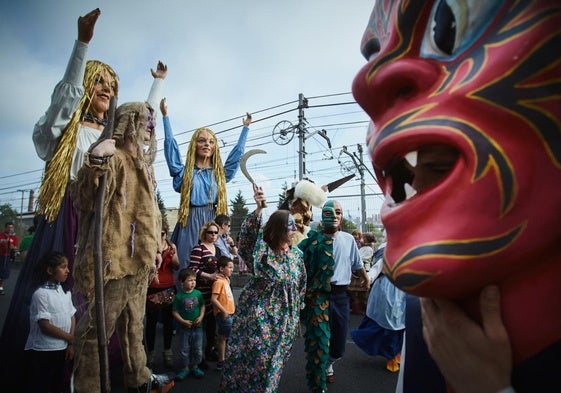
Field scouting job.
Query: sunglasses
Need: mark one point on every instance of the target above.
(212, 232)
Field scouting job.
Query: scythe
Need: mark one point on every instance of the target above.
(243, 167)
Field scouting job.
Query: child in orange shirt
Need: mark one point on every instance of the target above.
(222, 300)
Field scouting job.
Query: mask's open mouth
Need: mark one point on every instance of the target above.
(417, 171)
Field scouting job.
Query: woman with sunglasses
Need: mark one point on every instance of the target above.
(203, 261)
(267, 315)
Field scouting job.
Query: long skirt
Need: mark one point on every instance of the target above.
(186, 237)
(375, 340)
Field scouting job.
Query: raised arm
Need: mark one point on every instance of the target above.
(67, 93)
(233, 161)
(156, 91)
(171, 150)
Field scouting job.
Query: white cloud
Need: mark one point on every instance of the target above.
(224, 58)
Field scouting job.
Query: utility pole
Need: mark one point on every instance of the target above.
(362, 189)
(360, 168)
(21, 209)
(302, 103)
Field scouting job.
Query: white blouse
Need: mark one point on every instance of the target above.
(55, 306)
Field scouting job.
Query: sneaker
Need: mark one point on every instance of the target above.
(184, 373)
(160, 382)
(330, 374)
(219, 365)
(2, 291)
(393, 364)
(197, 372)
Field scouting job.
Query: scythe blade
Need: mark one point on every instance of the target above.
(243, 167)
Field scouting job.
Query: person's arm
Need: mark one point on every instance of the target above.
(196, 256)
(199, 319)
(47, 328)
(174, 263)
(67, 93)
(375, 270)
(83, 190)
(69, 355)
(218, 287)
(249, 229)
(358, 266)
(171, 150)
(232, 245)
(234, 157)
(364, 275)
(472, 357)
(180, 319)
(156, 91)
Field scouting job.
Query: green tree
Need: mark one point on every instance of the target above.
(8, 214)
(162, 208)
(238, 213)
(347, 225)
(282, 196)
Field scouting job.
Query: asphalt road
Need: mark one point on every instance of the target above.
(355, 373)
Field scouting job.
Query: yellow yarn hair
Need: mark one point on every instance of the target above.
(217, 170)
(57, 171)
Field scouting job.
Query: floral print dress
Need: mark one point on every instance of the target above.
(267, 316)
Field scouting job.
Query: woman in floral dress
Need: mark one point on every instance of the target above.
(268, 310)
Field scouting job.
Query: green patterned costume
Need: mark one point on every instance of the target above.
(318, 258)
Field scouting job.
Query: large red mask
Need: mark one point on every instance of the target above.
(465, 100)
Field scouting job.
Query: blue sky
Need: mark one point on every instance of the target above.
(225, 58)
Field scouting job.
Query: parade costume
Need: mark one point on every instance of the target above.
(318, 256)
(130, 240)
(381, 330)
(203, 190)
(61, 141)
(267, 315)
(299, 200)
(486, 92)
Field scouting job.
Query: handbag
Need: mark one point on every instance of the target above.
(162, 297)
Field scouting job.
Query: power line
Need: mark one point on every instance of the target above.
(274, 167)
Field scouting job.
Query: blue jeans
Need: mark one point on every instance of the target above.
(224, 325)
(191, 345)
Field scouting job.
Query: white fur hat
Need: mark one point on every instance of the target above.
(310, 192)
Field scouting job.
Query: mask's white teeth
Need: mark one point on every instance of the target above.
(389, 200)
(410, 192)
(411, 158)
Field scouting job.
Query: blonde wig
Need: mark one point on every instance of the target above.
(57, 171)
(218, 173)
